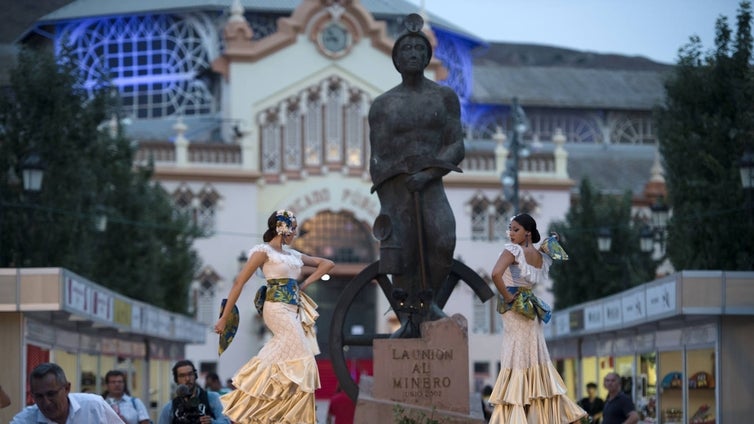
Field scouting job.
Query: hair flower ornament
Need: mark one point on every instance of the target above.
(284, 226)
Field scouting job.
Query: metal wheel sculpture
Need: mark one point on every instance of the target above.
(338, 339)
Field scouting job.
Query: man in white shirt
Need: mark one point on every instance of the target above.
(130, 409)
(55, 404)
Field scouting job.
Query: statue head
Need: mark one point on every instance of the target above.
(410, 40)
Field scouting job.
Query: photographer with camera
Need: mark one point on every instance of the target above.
(191, 404)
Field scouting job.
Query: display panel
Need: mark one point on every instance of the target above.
(670, 390)
(589, 375)
(624, 366)
(89, 373)
(567, 370)
(700, 369)
(645, 392)
(67, 361)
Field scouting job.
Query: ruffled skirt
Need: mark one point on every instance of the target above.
(277, 385)
(529, 389)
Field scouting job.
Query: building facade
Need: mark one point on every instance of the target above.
(249, 107)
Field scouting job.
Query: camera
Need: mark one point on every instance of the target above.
(186, 410)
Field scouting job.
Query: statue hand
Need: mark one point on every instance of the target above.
(417, 181)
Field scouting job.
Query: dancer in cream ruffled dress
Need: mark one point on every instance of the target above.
(528, 389)
(277, 385)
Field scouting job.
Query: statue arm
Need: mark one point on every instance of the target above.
(380, 169)
(452, 142)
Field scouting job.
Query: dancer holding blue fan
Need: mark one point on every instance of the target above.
(278, 384)
(528, 389)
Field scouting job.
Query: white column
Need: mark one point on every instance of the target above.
(249, 149)
(561, 155)
(501, 153)
(181, 144)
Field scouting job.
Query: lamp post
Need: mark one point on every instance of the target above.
(518, 149)
(604, 240)
(100, 218)
(32, 171)
(604, 244)
(660, 214)
(746, 167)
(647, 239)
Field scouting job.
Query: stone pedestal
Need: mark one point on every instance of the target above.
(425, 376)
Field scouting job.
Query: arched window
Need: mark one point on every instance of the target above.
(455, 56)
(338, 236)
(502, 211)
(324, 126)
(201, 207)
(480, 223)
(203, 296)
(156, 61)
(631, 128)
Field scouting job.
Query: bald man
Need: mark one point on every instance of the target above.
(619, 408)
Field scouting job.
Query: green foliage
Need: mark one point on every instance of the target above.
(590, 274)
(145, 252)
(704, 127)
(400, 416)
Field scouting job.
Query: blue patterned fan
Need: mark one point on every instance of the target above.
(552, 248)
(231, 326)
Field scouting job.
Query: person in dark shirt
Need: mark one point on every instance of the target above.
(486, 407)
(619, 408)
(592, 404)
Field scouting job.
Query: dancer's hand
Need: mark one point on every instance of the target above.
(205, 419)
(510, 298)
(220, 325)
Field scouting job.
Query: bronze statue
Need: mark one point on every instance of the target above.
(416, 139)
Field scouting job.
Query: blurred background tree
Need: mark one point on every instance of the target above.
(591, 273)
(706, 133)
(95, 214)
(705, 127)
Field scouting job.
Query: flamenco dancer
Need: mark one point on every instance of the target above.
(277, 385)
(528, 389)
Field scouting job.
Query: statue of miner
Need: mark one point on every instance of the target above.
(416, 139)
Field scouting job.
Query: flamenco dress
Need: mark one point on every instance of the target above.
(278, 384)
(528, 389)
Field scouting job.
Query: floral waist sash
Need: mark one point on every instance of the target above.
(526, 304)
(283, 290)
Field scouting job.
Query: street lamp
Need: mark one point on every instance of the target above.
(518, 149)
(100, 218)
(33, 171)
(604, 243)
(746, 166)
(647, 239)
(604, 240)
(660, 214)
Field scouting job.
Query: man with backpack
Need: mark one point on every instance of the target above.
(130, 409)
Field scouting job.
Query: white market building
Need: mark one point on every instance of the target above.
(259, 113)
